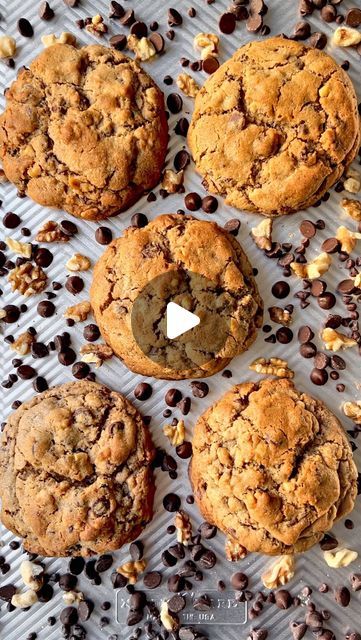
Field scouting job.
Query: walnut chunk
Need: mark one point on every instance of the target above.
(272, 366)
(96, 353)
(7, 46)
(175, 433)
(28, 279)
(51, 232)
(352, 207)
(172, 182)
(207, 44)
(262, 234)
(65, 38)
(24, 599)
(340, 557)
(97, 26)
(280, 316)
(347, 238)
(132, 570)
(346, 37)
(352, 184)
(188, 85)
(280, 572)
(23, 343)
(234, 550)
(79, 312)
(167, 620)
(352, 410)
(21, 248)
(143, 48)
(335, 340)
(73, 597)
(78, 262)
(32, 574)
(184, 527)
(357, 281)
(313, 269)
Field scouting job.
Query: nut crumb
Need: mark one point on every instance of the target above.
(234, 551)
(184, 527)
(132, 570)
(280, 572)
(352, 410)
(272, 366)
(96, 353)
(175, 433)
(262, 234)
(28, 279)
(188, 85)
(313, 269)
(78, 262)
(21, 248)
(79, 312)
(23, 343)
(340, 557)
(51, 232)
(335, 340)
(352, 207)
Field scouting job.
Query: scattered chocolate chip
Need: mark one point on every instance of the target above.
(157, 41)
(280, 289)
(174, 103)
(68, 582)
(254, 23)
(298, 630)
(318, 40)
(43, 257)
(103, 235)
(25, 28)
(74, 284)
(342, 596)
(302, 31)
(353, 17)
(143, 391)
(307, 228)
(139, 29)
(85, 609)
(174, 18)
(127, 18)
(227, 23)
(171, 502)
(103, 563)
(76, 565)
(239, 581)
(328, 13)
(181, 160)
(25, 372)
(152, 579)
(210, 65)
(308, 350)
(11, 220)
(283, 599)
(181, 128)
(184, 406)
(346, 287)
(326, 300)
(208, 559)
(45, 11)
(67, 357)
(118, 42)
(136, 550)
(40, 384)
(319, 376)
(118, 581)
(338, 363)
(184, 450)
(193, 201)
(233, 226)
(284, 335)
(321, 360)
(328, 542)
(200, 389)
(7, 591)
(45, 309)
(209, 204)
(305, 334)
(91, 332)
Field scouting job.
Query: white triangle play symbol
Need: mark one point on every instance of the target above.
(179, 320)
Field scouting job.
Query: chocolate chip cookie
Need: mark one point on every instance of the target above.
(75, 471)
(275, 127)
(193, 263)
(84, 130)
(272, 467)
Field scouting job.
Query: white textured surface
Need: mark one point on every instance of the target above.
(311, 568)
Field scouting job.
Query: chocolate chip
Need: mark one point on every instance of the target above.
(71, 3)
(227, 23)
(200, 389)
(143, 391)
(103, 235)
(68, 582)
(85, 609)
(128, 18)
(308, 350)
(43, 257)
(338, 363)
(25, 372)
(321, 360)
(209, 204)
(302, 31)
(318, 287)
(193, 201)
(118, 42)
(298, 630)
(45, 11)
(7, 591)
(171, 502)
(184, 450)
(45, 309)
(174, 18)
(326, 300)
(69, 228)
(306, 7)
(74, 284)
(284, 335)
(139, 29)
(181, 160)
(181, 128)
(176, 604)
(232, 226)
(76, 565)
(280, 289)
(328, 542)
(25, 28)
(319, 376)
(136, 550)
(318, 40)
(307, 228)
(67, 357)
(118, 581)
(210, 65)
(103, 563)
(355, 580)
(305, 334)
(208, 559)
(174, 103)
(40, 384)
(328, 13)
(346, 287)
(283, 599)
(331, 245)
(342, 596)
(157, 41)
(91, 332)
(11, 220)
(239, 581)
(353, 17)
(254, 23)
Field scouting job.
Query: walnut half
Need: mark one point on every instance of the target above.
(175, 433)
(352, 410)
(272, 366)
(340, 557)
(28, 279)
(280, 572)
(335, 340)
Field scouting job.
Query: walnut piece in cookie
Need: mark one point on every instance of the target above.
(234, 551)
(97, 135)
(289, 474)
(96, 353)
(84, 454)
(50, 39)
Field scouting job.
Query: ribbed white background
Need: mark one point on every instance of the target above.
(311, 568)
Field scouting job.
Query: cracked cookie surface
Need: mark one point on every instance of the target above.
(75, 471)
(84, 130)
(193, 263)
(272, 467)
(274, 127)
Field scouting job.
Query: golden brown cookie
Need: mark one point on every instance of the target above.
(193, 263)
(75, 471)
(274, 127)
(84, 130)
(272, 467)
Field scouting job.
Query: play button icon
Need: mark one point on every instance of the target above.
(179, 320)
